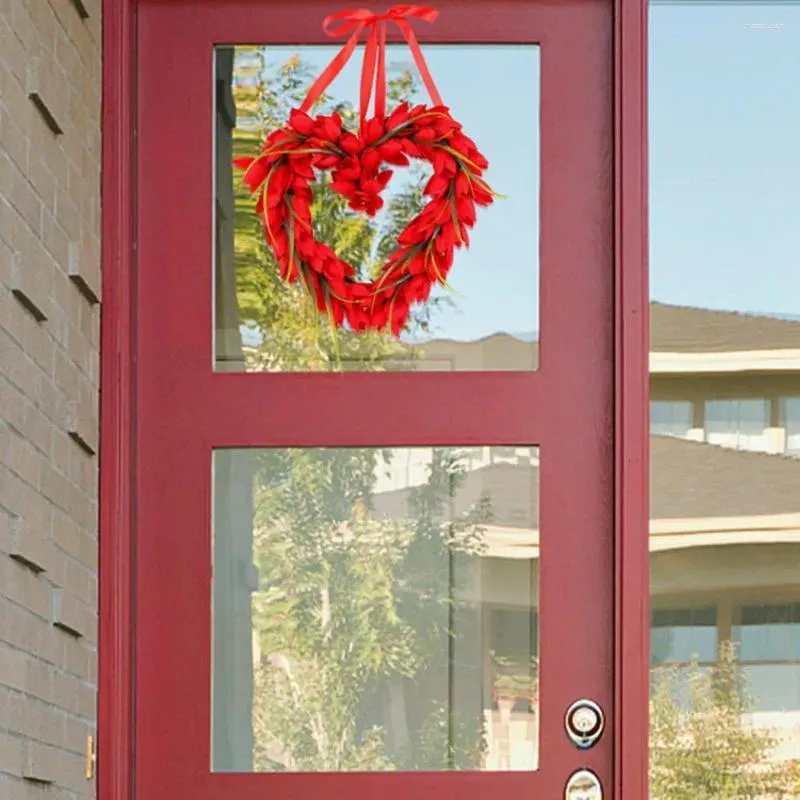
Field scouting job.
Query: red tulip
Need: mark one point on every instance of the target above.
(300, 122)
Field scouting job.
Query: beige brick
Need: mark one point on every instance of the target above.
(14, 788)
(13, 138)
(80, 580)
(27, 631)
(25, 587)
(14, 54)
(78, 659)
(36, 342)
(12, 668)
(46, 88)
(72, 616)
(72, 768)
(24, 459)
(20, 193)
(82, 471)
(11, 755)
(30, 547)
(55, 239)
(19, 370)
(90, 326)
(22, 500)
(81, 426)
(44, 20)
(67, 215)
(16, 103)
(41, 763)
(7, 256)
(42, 180)
(26, 420)
(84, 269)
(26, 673)
(75, 733)
(21, 22)
(32, 283)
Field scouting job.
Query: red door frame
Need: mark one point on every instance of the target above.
(117, 552)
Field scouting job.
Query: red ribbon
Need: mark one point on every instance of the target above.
(374, 67)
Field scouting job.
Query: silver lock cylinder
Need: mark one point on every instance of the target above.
(584, 723)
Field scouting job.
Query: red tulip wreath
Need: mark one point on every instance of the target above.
(290, 159)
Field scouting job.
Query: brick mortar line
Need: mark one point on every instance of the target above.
(95, 348)
(48, 499)
(55, 423)
(51, 665)
(92, 497)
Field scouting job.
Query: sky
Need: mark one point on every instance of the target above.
(724, 162)
(725, 156)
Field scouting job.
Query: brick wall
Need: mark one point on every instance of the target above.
(50, 89)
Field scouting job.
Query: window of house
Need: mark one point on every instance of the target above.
(514, 647)
(768, 637)
(671, 417)
(740, 424)
(681, 638)
(683, 635)
(790, 421)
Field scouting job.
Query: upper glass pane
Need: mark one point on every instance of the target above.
(487, 318)
(725, 336)
(375, 610)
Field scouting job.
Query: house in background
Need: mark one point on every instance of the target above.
(724, 520)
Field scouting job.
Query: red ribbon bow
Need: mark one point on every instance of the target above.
(357, 20)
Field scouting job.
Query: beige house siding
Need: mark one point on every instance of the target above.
(50, 91)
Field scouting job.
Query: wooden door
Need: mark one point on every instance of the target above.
(451, 512)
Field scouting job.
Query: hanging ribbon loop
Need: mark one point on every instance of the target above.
(373, 71)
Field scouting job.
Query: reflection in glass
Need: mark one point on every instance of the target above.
(683, 635)
(740, 423)
(790, 422)
(375, 609)
(487, 321)
(724, 386)
(671, 417)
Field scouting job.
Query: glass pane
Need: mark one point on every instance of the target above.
(769, 632)
(680, 636)
(790, 421)
(671, 417)
(725, 313)
(488, 317)
(742, 424)
(375, 610)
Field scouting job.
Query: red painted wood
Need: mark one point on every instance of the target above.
(115, 647)
(184, 409)
(632, 650)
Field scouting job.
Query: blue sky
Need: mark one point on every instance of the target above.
(724, 165)
(725, 156)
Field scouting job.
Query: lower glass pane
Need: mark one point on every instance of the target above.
(375, 609)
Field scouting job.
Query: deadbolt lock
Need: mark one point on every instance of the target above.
(584, 722)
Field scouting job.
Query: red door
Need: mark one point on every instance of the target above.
(379, 568)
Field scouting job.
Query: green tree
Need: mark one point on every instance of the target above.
(352, 605)
(701, 745)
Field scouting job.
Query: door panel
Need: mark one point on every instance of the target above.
(218, 451)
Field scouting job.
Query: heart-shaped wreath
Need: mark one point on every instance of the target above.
(281, 177)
